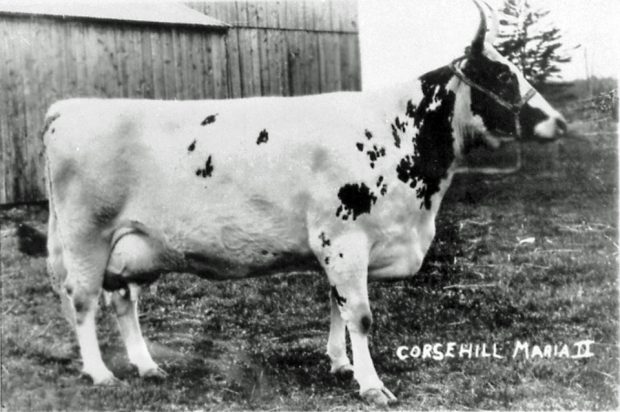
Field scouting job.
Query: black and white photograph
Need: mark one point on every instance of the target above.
(300, 205)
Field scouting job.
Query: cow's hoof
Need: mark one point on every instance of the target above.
(379, 397)
(344, 372)
(105, 379)
(156, 373)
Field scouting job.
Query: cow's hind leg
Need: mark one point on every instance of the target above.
(125, 302)
(348, 275)
(85, 262)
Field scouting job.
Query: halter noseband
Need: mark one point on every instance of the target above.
(515, 107)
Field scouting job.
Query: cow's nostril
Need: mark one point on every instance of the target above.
(561, 125)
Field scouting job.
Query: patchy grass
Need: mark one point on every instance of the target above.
(259, 344)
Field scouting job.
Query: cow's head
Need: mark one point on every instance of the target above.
(501, 102)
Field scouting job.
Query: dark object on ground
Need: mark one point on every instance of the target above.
(30, 241)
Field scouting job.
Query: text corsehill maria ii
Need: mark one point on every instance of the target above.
(518, 350)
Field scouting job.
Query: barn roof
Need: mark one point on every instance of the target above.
(136, 12)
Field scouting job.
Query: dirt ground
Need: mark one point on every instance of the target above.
(531, 256)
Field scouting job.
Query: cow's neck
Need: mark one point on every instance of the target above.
(429, 137)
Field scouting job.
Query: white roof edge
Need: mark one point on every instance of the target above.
(165, 13)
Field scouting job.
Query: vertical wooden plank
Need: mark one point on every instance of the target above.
(264, 59)
(39, 76)
(336, 8)
(28, 91)
(122, 53)
(6, 58)
(218, 60)
(292, 18)
(281, 42)
(345, 62)
(312, 78)
(248, 50)
(10, 91)
(205, 49)
(169, 65)
(322, 15)
(90, 59)
(180, 68)
(147, 86)
(57, 39)
(70, 59)
(227, 12)
(188, 66)
(278, 82)
(110, 66)
(310, 10)
(195, 83)
(16, 120)
(234, 64)
(204, 68)
(8, 86)
(158, 58)
(293, 15)
(134, 63)
(350, 64)
(329, 58)
(355, 58)
(27, 44)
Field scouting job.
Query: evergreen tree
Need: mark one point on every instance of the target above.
(530, 42)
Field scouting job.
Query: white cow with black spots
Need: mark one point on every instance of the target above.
(227, 189)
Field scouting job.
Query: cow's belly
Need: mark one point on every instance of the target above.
(222, 235)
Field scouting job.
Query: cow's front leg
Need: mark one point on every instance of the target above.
(347, 271)
(336, 344)
(355, 309)
(125, 302)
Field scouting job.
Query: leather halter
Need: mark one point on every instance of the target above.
(515, 107)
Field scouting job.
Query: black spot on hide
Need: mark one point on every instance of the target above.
(433, 151)
(208, 169)
(339, 299)
(209, 119)
(365, 323)
(324, 240)
(356, 199)
(263, 137)
(192, 146)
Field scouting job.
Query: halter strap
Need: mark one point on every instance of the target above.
(513, 107)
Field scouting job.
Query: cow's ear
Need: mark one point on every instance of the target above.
(477, 45)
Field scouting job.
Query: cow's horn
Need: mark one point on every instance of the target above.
(477, 45)
(494, 29)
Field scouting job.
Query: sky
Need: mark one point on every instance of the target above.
(401, 39)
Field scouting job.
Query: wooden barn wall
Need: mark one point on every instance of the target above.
(291, 47)
(272, 48)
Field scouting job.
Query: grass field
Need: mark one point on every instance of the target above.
(259, 344)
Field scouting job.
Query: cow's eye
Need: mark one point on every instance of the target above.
(504, 77)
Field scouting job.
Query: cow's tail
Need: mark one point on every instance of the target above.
(56, 268)
(31, 241)
(55, 264)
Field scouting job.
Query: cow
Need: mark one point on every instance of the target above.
(348, 183)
